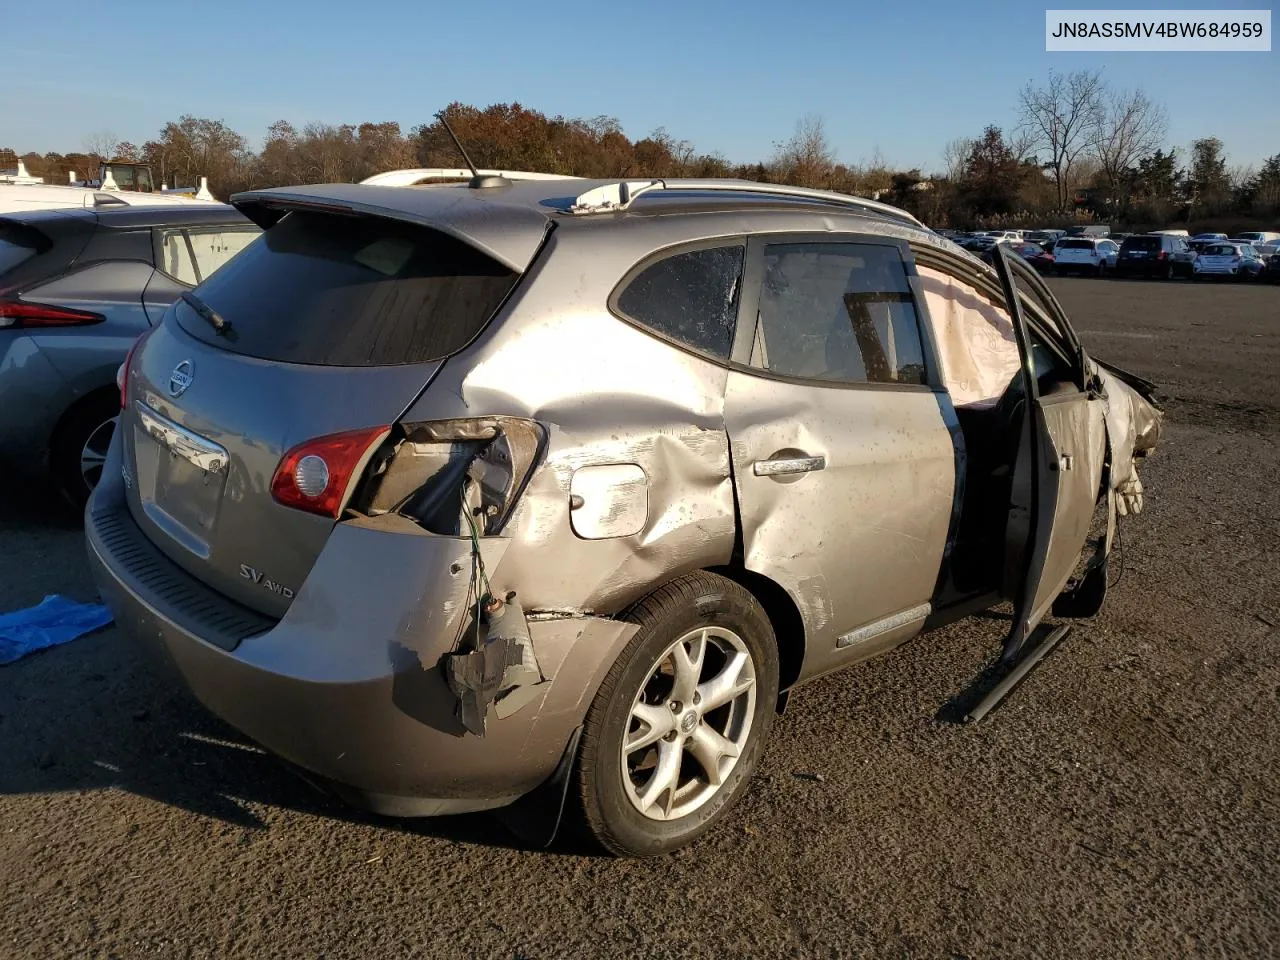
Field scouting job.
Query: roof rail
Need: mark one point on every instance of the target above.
(407, 178)
(618, 196)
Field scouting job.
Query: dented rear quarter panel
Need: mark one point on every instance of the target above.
(608, 394)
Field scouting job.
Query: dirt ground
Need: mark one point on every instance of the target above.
(1123, 802)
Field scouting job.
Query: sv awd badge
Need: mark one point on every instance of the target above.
(248, 573)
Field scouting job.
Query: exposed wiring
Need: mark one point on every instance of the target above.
(475, 540)
(479, 578)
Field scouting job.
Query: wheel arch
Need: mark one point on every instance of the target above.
(784, 617)
(94, 397)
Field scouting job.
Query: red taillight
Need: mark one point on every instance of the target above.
(1163, 255)
(313, 476)
(17, 313)
(122, 372)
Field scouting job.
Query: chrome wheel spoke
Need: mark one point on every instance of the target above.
(688, 664)
(94, 453)
(657, 723)
(709, 747)
(731, 682)
(665, 778)
(668, 722)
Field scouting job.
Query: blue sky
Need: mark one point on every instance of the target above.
(900, 77)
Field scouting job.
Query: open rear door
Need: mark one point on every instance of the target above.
(1059, 467)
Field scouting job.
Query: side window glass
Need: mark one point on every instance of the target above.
(176, 257)
(689, 297)
(838, 311)
(213, 248)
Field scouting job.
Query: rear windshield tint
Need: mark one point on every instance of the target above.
(1141, 243)
(1075, 244)
(352, 292)
(18, 245)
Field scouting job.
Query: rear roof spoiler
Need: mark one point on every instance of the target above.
(509, 233)
(407, 178)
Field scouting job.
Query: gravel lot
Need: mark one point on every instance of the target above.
(1123, 802)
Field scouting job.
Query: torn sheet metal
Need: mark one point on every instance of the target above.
(1133, 429)
(501, 674)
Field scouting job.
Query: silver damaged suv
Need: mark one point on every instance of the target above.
(462, 494)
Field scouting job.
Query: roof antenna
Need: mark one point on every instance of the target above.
(478, 182)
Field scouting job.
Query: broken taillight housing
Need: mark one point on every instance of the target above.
(449, 474)
(314, 476)
(18, 313)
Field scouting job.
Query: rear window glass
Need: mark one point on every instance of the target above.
(17, 246)
(350, 291)
(1075, 244)
(1141, 243)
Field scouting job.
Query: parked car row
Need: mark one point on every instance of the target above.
(1165, 255)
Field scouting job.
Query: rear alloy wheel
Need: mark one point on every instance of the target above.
(78, 450)
(679, 723)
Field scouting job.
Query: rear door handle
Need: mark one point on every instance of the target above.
(788, 466)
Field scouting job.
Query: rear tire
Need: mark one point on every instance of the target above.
(648, 748)
(78, 448)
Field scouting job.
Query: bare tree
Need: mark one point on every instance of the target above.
(1130, 126)
(955, 157)
(1022, 143)
(1061, 120)
(101, 143)
(808, 157)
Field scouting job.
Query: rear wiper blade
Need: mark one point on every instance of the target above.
(220, 325)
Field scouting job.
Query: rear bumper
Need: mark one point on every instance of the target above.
(348, 687)
(1143, 268)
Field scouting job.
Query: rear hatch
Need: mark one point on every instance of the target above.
(332, 324)
(1140, 248)
(1218, 258)
(1075, 251)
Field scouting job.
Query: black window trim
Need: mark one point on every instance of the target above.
(665, 253)
(749, 311)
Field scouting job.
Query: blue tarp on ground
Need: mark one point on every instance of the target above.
(53, 621)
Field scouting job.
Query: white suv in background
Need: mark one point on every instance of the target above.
(1085, 255)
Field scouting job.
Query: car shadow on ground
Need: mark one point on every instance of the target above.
(77, 727)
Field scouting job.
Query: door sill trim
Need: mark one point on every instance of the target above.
(892, 622)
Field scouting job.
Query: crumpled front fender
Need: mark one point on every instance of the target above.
(1133, 426)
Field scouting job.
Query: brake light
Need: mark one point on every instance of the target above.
(314, 476)
(1163, 255)
(18, 313)
(122, 372)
